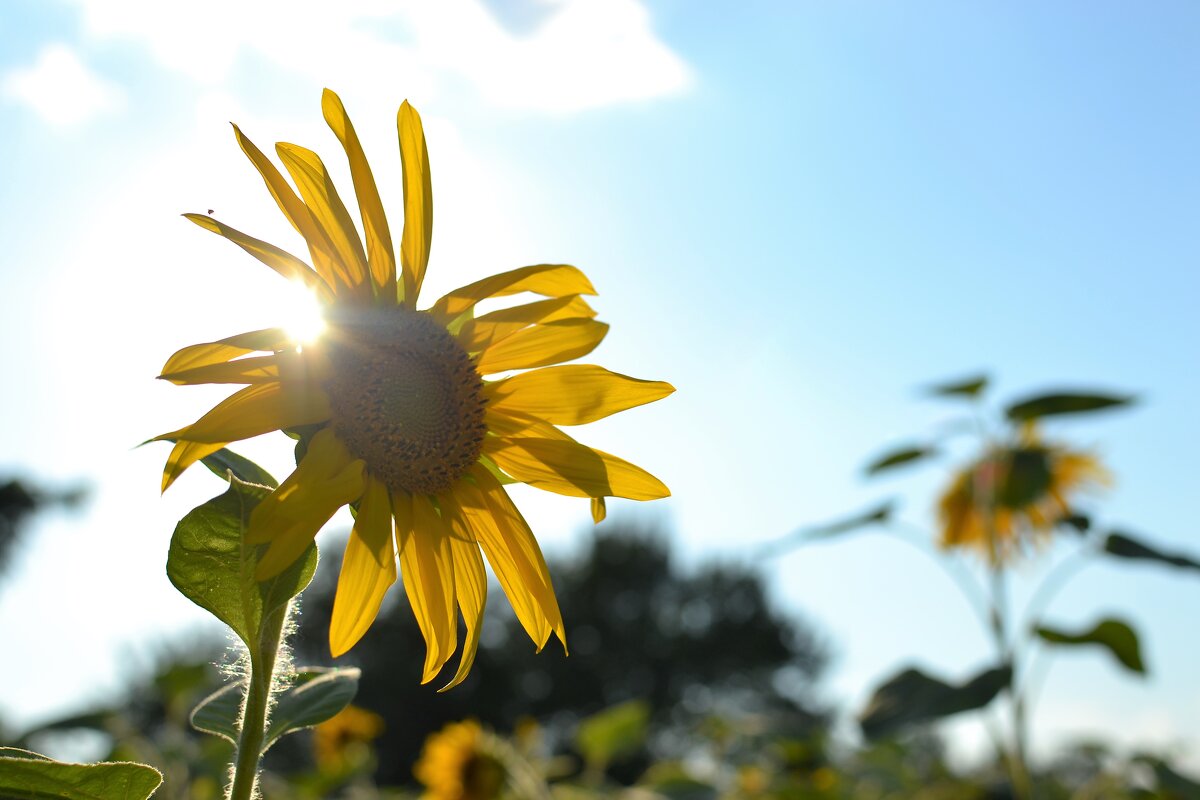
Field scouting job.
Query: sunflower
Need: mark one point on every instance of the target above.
(415, 418)
(1025, 487)
(456, 764)
(338, 740)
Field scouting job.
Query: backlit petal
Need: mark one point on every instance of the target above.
(470, 583)
(427, 564)
(417, 236)
(573, 394)
(368, 569)
(484, 331)
(540, 345)
(199, 355)
(183, 455)
(549, 280)
(279, 260)
(573, 469)
(256, 410)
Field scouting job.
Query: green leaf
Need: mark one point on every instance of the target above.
(899, 457)
(218, 713)
(1122, 546)
(875, 516)
(613, 732)
(966, 387)
(318, 694)
(30, 776)
(1112, 634)
(1055, 403)
(913, 697)
(224, 461)
(212, 565)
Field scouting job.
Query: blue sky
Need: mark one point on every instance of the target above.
(797, 213)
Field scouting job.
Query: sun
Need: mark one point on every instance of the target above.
(298, 311)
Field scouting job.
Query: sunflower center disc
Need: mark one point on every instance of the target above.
(406, 399)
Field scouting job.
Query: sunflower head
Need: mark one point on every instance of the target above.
(414, 417)
(1014, 495)
(341, 740)
(458, 763)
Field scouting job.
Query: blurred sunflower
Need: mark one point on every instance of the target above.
(1027, 487)
(341, 739)
(407, 429)
(455, 765)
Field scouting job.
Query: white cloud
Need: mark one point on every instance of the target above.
(583, 54)
(61, 89)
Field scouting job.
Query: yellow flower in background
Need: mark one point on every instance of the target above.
(336, 737)
(455, 765)
(1028, 487)
(408, 427)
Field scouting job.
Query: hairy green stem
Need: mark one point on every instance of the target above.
(259, 682)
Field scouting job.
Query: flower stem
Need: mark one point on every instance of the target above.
(255, 710)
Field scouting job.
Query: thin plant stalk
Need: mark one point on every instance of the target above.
(256, 710)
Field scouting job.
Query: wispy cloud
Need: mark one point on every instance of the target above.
(582, 53)
(61, 89)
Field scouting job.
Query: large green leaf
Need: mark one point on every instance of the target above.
(212, 565)
(899, 457)
(317, 695)
(1122, 546)
(913, 697)
(30, 776)
(612, 732)
(965, 387)
(1055, 403)
(1112, 634)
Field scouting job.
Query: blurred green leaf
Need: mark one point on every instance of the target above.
(1171, 784)
(1080, 523)
(30, 776)
(966, 387)
(1122, 546)
(212, 565)
(317, 695)
(899, 457)
(912, 697)
(1053, 404)
(218, 713)
(874, 516)
(1116, 636)
(613, 732)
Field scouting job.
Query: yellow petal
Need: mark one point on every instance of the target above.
(281, 261)
(289, 518)
(418, 202)
(319, 247)
(573, 469)
(183, 455)
(256, 410)
(540, 345)
(258, 369)
(573, 394)
(380, 255)
(599, 510)
(484, 331)
(428, 567)
(329, 213)
(514, 554)
(368, 569)
(470, 583)
(199, 355)
(549, 280)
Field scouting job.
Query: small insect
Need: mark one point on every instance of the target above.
(210, 211)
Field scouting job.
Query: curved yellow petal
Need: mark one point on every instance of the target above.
(183, 455)
(484, 331)
(199, 355)
(427, 564)
(319, 247)
(256, 410)
(381, 257)
(573, 394)
(326, 479)
(599, 510)
(573, 469)
(368, 569)
(514, 554)
(330, 214)
(417, 236)
(470, 583)
(257, 369)
(540, 345)
(279, 260)
(549, 280)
